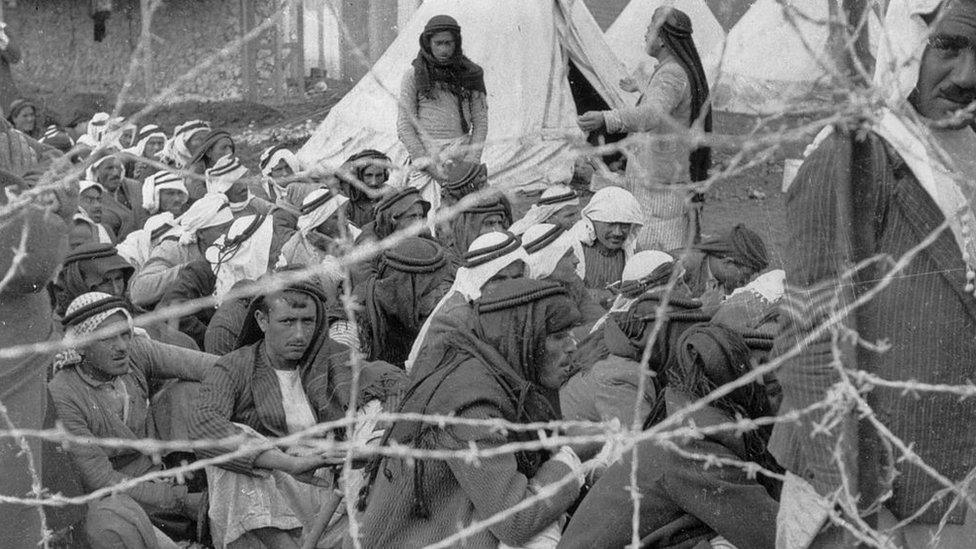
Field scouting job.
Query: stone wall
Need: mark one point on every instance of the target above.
(61, 56)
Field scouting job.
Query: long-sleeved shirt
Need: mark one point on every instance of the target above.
(243, 388)
(662, 110)
(92, 409)
(148, 285)
(438, 114)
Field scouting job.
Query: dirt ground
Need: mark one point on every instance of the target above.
(752, 197)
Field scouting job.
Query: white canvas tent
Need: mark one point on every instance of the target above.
(771, 60)
(525, 49)
(626, 35)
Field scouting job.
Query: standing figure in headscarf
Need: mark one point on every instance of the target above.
(684, 498)
(503, 365)
(27, 319)
(147, 143)
(411, 279)
(103, 389)
(372, 169)
(559, 205)
(900, 180)
(443, 114)
(122, 203)
(674, 99)
(608, 232)
(719, 265)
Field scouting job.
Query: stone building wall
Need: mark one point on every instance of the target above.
(61, 56)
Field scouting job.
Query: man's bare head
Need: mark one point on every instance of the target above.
(947, 75)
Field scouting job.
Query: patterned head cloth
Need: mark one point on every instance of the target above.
(553, 199)
(210, 211)
(741, 244)
(83, 317)
(272, 156)
(157, 182)
(546, 244)
(222, 176)
(146, 133)
(318, 207)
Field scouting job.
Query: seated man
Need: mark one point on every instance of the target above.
(101, 390)
(145, 145)
(491, 258)
(608, 232)
(278, 164)
(411, 279)
(164, 191)
(559, 205)
(285, 377)
(198, 228)
(249, 249)
(228, 176)
(372, 169)
(555, 254)
(606, 387)
(122, 210)
(684, 498)
(719, 265)
(396, 211)
(87, 223)
(457, 235)
(320, 229)
(138, 247)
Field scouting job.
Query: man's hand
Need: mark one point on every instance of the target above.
(303, 468)
(591, 121)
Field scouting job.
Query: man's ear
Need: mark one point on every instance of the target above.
(262, 319)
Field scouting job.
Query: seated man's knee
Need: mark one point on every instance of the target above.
(117, 522)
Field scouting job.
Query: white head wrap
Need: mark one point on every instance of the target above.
(769, 286)
(610, 205)
(157, 182)
(640, 265)
(90, 171)
(553, 199)
(236, 257)
(88, 325)
(176, 148)
(222, 176)
(210, 210)
(138, 245)
(272, 156)
(542, 262)
(317, 207)
(486, 257)
(100, 231)
(149, 131)
(86, 184)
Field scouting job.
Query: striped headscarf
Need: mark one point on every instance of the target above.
(553, 199)
(546, 244)
(318, 207)
(147, 132)
(272, 156)
(157, 182)
(83, 317)
(176, 149)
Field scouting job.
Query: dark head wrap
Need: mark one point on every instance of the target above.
(459, 75)
(392, 206)
(466, 226)
(706, 357)
(88, 261)
(676, 33)
(18, 105)
(741, 244)
(360, 209)
(209, 140)
(251, 333)
(410, 279)
(507, 339)
(461, 178)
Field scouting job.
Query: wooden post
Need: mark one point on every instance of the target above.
(277, 70)
(147, 48)
(300, 45)
(248, 58)
(320, 19)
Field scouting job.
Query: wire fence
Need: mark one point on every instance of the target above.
(848, 399)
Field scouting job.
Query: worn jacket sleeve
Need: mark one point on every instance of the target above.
(667, 89)
(817, 257)
(162, 269)
(723, 497)
(93, 463)
(164, 361)
(210, 418)
(407, 129)
(479, 124)
(494, 484)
